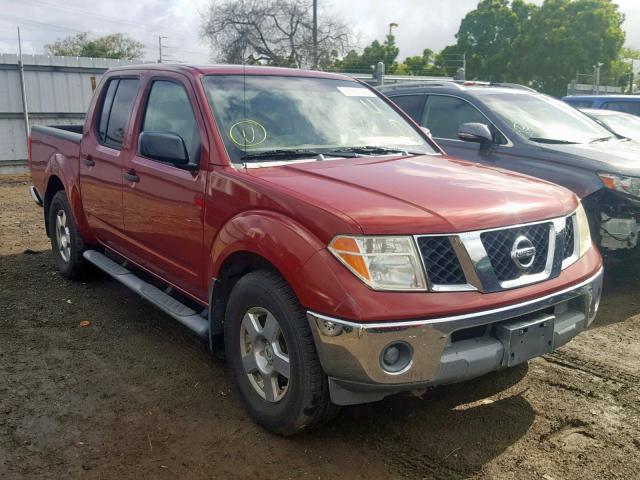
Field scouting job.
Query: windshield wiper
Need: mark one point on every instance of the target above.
(552, 141)
(372, 150)
(282, 154)
(603, 139)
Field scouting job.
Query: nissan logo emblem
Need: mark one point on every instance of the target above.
(523, 252)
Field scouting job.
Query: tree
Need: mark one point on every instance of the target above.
(385, 52)
(487, 34)
(272, 32)
(564, 37)
(619, 71)
(424, 64)
(116, 45)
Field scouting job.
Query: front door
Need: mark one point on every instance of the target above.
(444, 114)
(163, 203)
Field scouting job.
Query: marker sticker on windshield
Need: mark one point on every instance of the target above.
(247, 133)
(356, 92)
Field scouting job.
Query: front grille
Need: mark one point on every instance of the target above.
(441, 262)
(569, 240)
(499, 243)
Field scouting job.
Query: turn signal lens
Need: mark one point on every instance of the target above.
(584, 232)
(383, 263)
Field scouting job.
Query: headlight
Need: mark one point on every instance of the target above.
(383, 263)
(620, 183)
(584, 234)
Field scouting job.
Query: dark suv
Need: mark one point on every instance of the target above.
(519, 129)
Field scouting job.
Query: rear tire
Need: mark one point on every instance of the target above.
(66, 242)
(272, 357)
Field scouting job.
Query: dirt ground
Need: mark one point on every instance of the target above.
(136, 395)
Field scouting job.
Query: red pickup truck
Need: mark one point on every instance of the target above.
(314, 233)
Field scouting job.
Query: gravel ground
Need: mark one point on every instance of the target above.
(136, 395)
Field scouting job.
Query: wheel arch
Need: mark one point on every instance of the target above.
(54, 185)
(253, 241)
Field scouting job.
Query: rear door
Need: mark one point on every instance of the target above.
(163, 205)
(101, 158)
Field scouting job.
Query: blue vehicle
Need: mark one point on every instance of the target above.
(619, 103)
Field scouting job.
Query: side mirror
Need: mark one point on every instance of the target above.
(475, 132)
(163, 146)
(426, 131)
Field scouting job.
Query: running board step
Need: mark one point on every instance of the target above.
(179, 311)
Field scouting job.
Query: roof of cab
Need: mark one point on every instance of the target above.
(231, 70)
(448, 86)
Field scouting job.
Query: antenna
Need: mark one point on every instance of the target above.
(244, 101)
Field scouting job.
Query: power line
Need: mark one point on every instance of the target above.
(52, 26)
(119, 21)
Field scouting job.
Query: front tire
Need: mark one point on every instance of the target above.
(66, 242)
(271, 355)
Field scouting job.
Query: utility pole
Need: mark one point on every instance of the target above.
(160, 37)
(315, 34)
(596, 76)
(23, 88)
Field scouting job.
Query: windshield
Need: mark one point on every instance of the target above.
(543, 119)
(266, 118)
(621, 123)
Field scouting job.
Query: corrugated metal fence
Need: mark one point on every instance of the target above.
(58, 91)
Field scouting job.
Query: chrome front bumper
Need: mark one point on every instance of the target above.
(444, 350)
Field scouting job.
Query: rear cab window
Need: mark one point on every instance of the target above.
(115, 111)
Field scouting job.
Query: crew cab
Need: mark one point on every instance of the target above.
(515, 128)
(311, 231)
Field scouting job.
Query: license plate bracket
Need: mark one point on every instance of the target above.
(527, 338)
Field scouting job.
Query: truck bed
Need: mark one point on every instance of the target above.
(49, 145)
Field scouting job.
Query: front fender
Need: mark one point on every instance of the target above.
(280, 240)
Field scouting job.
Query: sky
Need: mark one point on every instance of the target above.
(422, 23)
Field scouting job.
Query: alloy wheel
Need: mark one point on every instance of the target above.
(265, 357)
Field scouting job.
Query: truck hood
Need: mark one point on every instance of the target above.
(613, 156)
(421, 194)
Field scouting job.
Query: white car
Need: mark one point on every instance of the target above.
(620, 123)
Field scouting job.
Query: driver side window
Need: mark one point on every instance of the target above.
(444, 115)
(169, 111)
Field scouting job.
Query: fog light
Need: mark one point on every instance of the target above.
(396, 357)
(391, 355)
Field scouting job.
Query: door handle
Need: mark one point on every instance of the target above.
(89, 162)
(131, 176)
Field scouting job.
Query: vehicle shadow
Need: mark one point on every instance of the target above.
(450, 432)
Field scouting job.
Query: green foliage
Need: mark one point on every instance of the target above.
(426, 64)
(487, 35)
(386, 52)
(516, 41)
(563, 37)
(116, 45)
